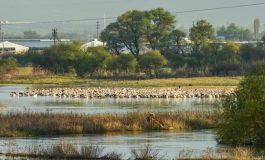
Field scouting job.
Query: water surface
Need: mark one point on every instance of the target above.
(168, 144)
(10, 104)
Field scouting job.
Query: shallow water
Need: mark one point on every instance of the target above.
(10, 104)
(168, 144)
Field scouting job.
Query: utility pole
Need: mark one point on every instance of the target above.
(55, 35)
(97, 29)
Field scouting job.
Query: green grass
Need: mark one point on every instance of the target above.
(170, 82)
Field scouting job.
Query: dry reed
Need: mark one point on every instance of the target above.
(38, 124)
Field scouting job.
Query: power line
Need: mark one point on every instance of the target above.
(105, 18)
(221, 8)
(60, 21)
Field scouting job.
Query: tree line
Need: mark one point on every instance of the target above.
(147, 43)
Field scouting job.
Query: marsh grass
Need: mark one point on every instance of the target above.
(146, 153)
(49, 124)
(63, 150)
(238, 153)
(169, 82)
(60, 103)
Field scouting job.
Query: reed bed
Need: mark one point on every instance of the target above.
(51, 124)
(64, 150)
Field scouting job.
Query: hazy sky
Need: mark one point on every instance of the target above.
(48, 10)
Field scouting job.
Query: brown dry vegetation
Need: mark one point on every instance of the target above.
(36, 124)
(64, 150)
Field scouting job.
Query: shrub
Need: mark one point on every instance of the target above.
(151, 62)
(123, 63)
(243, 121)
(61, 58)
(7, 65)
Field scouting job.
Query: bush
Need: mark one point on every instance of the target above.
(151, 62)
(123, 63)
(7, 65)
(97, 59)
(243, 120)
(226, 69)
(61, 58)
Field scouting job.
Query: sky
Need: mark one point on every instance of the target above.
(52, 10)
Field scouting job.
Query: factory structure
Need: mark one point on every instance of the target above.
(7, 47)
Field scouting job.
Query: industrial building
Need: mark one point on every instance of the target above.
(12, 48)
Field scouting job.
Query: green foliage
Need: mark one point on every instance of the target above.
(135, 28)
(160, 24)
(84, 65)
(138, 31)
(111, 36)
(151, 62)
(243, 120)
(229, 53)
(123, 63)
(173, 43)
(7, 65)
(201, 33)
(131, 27)
(250, 53)
(227, 59)
(61, 58)
(234, 32)
(95, 60)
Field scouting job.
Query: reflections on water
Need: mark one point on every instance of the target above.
(91, 106)
(170, 143)
(165, 142)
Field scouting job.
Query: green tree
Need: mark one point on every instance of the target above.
(200, 34)
(227, 59)
(151, 62)
(230, 52)
(7, 65)
(127, 32)
(83, 66)
(111, 36)
(173, 43)
(124, 63)
(136, 29)
(95, 60)
(131, 30)
(160, 24)
(234, 32)
(98, 60)
(61, 58)
(251, 53)
(242, 121)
